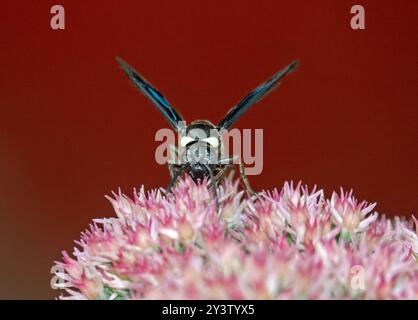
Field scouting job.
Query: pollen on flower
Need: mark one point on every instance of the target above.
(290, 243)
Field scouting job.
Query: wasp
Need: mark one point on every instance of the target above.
(201, 141)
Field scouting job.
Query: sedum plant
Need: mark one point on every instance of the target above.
(289, 243)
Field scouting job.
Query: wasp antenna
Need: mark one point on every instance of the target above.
(256, 95)
(151, 93)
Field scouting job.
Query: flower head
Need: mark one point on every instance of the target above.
(352, 216)
(285, 244)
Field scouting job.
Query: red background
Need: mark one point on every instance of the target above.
(72, 128)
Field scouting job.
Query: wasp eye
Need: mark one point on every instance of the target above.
(185, 141)
(213, 141)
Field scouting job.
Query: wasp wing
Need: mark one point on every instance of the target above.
(152, 93)
(255, 96)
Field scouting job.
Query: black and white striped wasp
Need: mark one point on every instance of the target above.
(202, 139)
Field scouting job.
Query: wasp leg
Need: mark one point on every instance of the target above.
(229, 166)
(171, 169)
(245, 180)
(174, 155)
(213, 185)
(229, 160)
(175, 176)
(223, 171)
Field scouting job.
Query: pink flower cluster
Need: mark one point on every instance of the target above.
(284, 244)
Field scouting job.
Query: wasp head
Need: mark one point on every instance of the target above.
(202, 145)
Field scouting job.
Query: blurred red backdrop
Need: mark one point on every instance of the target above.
(73, 129)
